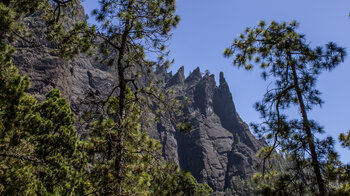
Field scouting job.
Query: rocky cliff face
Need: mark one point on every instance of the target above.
(221, 146)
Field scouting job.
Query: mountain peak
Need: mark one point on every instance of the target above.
(223, 84)
(195, 76)
(222, 79)
(178, 78)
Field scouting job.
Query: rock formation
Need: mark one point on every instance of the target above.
(221, 145)
(219, 148)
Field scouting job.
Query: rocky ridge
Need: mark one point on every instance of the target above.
(221, 146)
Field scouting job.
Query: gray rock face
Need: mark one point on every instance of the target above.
(47, 70)
(219, 148)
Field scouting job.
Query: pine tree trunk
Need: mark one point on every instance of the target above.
(315, 162)
(121, 118)
(122, 103)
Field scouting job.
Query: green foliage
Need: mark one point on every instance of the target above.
(170, 180)
(343, 171)
(15, 174)
(345, 139)
(38, 143)
(68, 42)
(73, 41)
(184, 127)
(241, 187)
(11, 12)
(131, 30)
(138, 151)
(62, 165)
(284, 55)
(145, 23)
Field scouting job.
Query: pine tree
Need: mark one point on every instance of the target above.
(15, 174)
(285, 55)
(39, 149)
(62, 168)
(170, 180)
(129, 30)
(139, 151)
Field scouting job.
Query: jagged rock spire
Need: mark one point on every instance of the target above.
(222, 80)
(178, 78)
(195, 76)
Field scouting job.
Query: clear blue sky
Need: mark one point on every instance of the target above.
(207, 27)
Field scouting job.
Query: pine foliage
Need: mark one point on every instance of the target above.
(39, 151)
(285, 56)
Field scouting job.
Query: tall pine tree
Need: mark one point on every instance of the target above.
(284, 55)
(39, 149)
(130, 29)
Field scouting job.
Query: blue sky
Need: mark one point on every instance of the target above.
(207, 27)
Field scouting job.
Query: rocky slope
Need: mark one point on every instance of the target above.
(220, 148)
